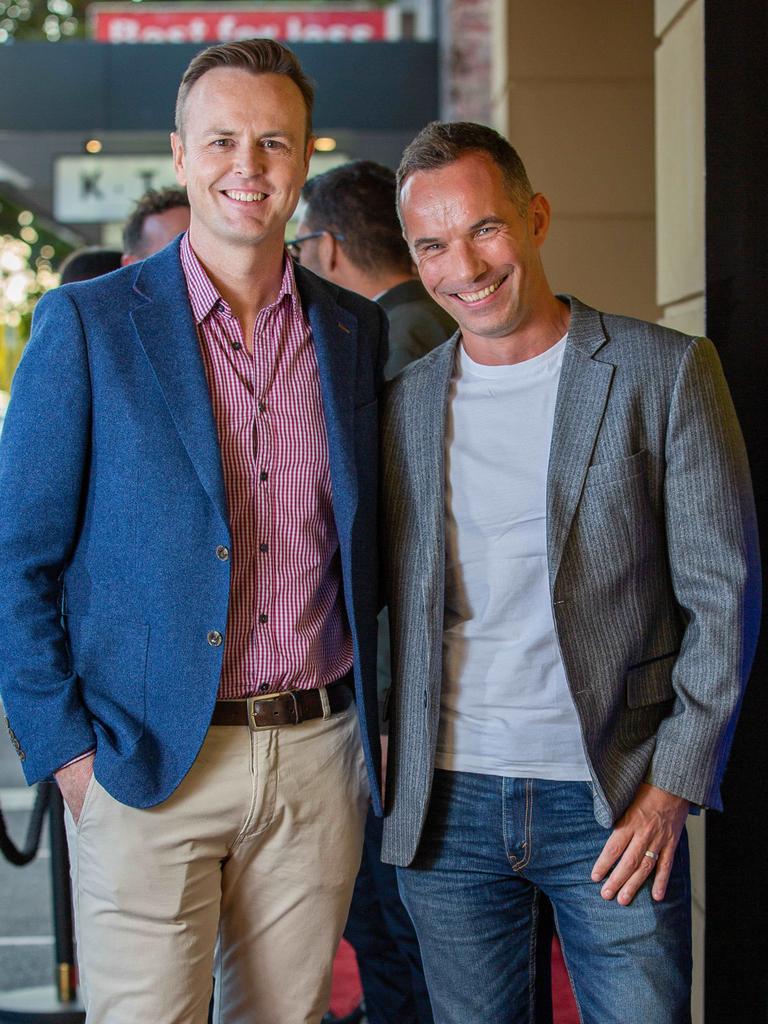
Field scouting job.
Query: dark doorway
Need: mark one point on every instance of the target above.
(736, 42)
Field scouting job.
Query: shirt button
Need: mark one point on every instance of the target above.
(222, 553)
(215, 638)
(262, 407)
(263, 548)
(263, 475)
(263, 687)
(262, 618)
(236, 346)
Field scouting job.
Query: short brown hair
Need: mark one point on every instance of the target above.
(443, 142)
(259, 56)
(357, 200)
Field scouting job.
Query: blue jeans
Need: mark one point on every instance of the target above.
(382, 936)
(490, 846)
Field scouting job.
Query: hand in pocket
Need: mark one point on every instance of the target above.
(73, 781)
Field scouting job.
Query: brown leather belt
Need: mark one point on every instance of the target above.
(290, 707)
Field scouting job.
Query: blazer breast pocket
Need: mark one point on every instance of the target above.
(616, 471)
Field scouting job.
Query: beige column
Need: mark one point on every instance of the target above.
(680, 265)
(572, 89)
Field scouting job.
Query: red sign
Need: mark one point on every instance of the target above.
(221, 22)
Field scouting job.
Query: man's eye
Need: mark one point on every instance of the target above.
(222, 143)
(273, 144)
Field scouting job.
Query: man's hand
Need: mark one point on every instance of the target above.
(73, 781)
(650, 825)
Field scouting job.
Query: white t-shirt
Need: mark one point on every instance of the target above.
(505, 706)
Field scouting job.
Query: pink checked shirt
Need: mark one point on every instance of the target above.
(286, 627)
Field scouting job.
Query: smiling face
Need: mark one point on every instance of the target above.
(243, 157)
(477, 254)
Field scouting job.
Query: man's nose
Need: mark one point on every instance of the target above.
(250, 160)
(469, 262)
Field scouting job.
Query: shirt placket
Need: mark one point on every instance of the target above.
(235, 375)
(264, 357)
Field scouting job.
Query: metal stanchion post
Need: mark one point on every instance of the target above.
(64, 976)
(56, 1004)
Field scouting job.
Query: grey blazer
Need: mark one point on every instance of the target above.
(653, 564)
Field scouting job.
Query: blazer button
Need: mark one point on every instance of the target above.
(222, 553)
(215, 638)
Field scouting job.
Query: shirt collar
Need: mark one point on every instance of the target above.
(204, 296)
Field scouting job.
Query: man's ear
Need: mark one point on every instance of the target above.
(308, 154)
(327, 252)
(177, 148)
(539, 218)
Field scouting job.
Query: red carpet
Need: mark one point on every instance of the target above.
(563, 1006)
(346, 992)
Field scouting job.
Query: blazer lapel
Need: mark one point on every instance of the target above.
(585, 383)
(334, 333)
(163, 320)
(427, 450)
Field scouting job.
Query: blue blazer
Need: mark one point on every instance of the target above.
(112, 505)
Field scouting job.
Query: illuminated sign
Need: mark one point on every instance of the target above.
(222, 22)
(95, 189)
(102, 189)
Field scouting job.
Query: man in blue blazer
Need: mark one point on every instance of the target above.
(188, 579)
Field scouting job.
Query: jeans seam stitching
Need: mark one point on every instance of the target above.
(532, 947)
(526, 858)
(504, 821)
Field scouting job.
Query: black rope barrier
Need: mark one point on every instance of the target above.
(57, 1003)
(11, 852)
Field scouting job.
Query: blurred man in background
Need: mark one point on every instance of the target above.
(350, 234)
(160, 215)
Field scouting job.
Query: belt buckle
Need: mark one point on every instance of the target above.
(250, 701)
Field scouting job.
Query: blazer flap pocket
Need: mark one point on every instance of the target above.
(617, 469)
(650, 682)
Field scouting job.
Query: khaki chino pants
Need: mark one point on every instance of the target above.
(245, 872)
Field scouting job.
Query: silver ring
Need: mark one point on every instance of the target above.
(651, 855)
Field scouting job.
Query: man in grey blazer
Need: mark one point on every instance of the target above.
(574, 596)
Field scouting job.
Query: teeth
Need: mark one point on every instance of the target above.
(246, 197)
(476, 296)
